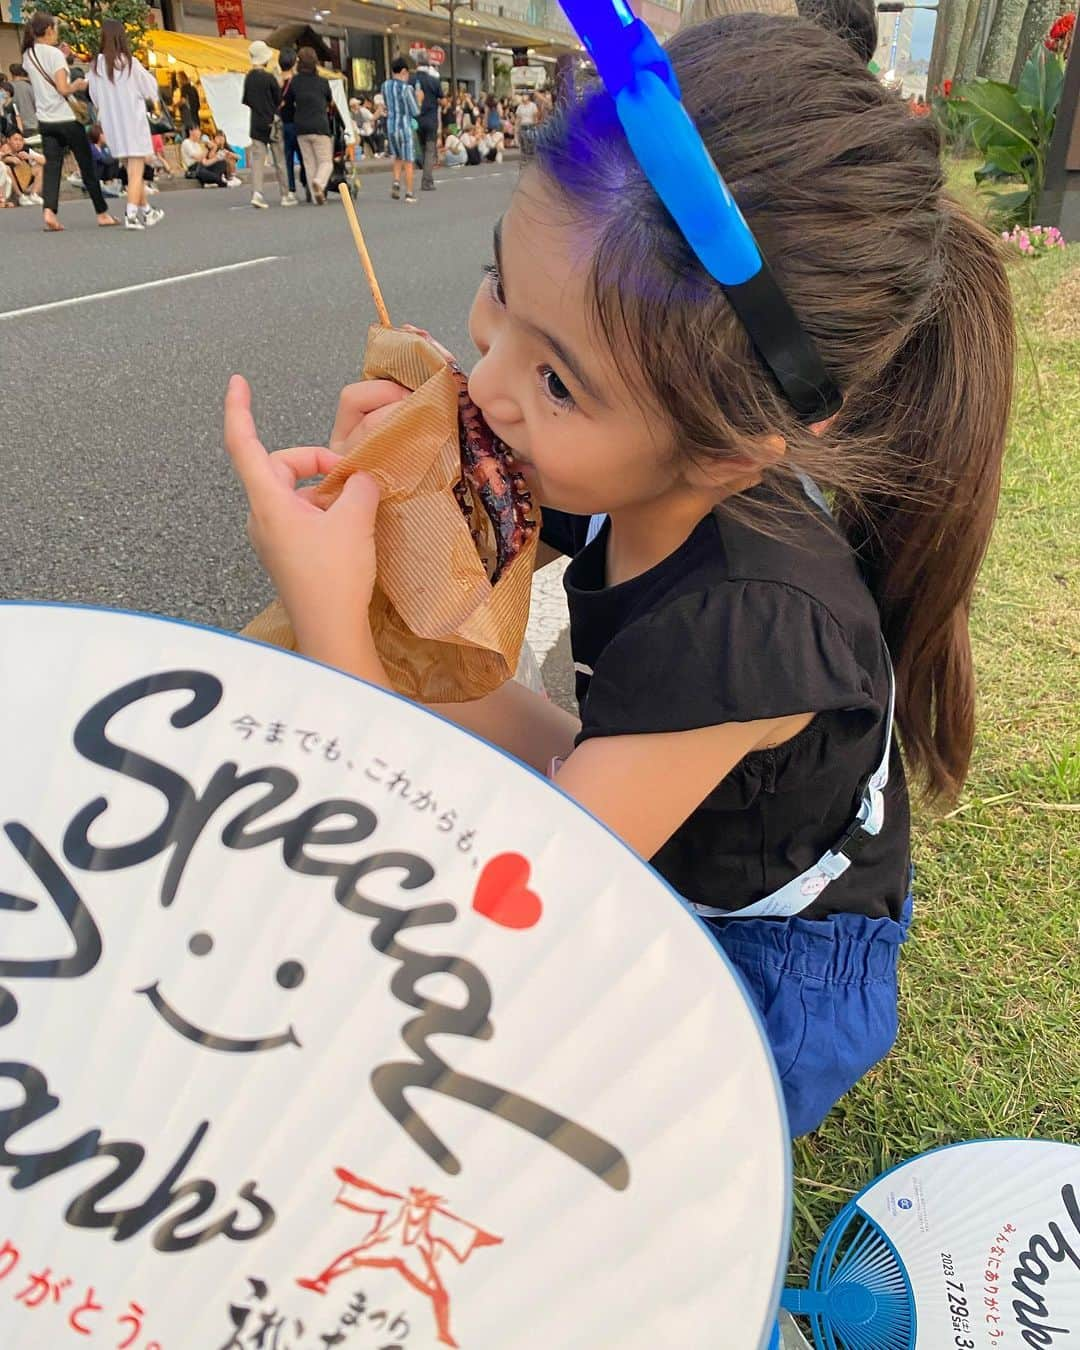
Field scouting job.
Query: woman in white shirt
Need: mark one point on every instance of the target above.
(60, 131)
(120, 88)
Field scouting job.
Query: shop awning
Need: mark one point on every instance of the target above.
(206, 53)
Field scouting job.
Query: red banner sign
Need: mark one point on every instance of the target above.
(230, 18)
(436, 55)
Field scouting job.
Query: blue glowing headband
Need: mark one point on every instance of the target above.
(639, 77)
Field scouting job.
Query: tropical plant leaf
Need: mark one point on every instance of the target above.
(996, 117)
(1041, 80)
(1012, 208)
(1002, 161)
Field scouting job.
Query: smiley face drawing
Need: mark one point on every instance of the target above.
(289, 975)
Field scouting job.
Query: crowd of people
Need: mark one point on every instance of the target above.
(52, 107)
(111, 118)
(450, 131)
(296, 128)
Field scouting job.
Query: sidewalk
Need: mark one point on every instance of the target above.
(178, 183)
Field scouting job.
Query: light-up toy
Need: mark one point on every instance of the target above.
(640, 79)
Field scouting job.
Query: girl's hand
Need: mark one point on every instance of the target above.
(364, 405)
(322, 562)
(360, 409)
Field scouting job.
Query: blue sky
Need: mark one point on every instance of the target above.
(922, 34)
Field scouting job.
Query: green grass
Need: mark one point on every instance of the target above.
(990, 980)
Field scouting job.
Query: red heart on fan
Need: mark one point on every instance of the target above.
(502, 893)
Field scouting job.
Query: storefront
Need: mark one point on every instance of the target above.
(373, 32)
(11, 15)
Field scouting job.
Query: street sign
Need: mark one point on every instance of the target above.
(230, 18)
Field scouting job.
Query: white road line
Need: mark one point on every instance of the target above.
(129, 290)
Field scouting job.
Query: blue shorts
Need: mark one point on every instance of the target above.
(401, 142)
(826, 991)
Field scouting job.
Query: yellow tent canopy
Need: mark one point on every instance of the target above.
(205, 53)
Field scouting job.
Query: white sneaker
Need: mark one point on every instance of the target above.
(36, 198)
(133, 223)
(25, 199)
(152, 216)
(232, 182)
(257, 201)
(151, 190)
(289, 199)
(498, 157)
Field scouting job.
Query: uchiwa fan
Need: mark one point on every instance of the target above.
(938, 1253)
(859, 1296)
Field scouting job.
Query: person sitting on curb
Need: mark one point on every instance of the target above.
(27, 168)
(194, 154)
(218, 152)
(454, 155)
(109, 168)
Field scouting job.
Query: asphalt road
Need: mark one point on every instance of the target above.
(117, 489)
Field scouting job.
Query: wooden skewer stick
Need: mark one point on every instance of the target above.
(365, 260)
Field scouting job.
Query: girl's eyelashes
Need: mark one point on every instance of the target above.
(494, 283)
(550, 382)
(554, 388)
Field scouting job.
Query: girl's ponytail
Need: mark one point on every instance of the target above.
(940, 418)
(904, 294)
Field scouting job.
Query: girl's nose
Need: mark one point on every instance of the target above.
(487, 391)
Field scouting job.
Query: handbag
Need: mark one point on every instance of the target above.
(161, 124)
(80, 110)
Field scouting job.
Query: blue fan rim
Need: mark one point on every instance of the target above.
(768, 1331)
(831, 1237)
(823, 1260)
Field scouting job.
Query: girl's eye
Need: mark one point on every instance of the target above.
(555, 389)
(494, 283)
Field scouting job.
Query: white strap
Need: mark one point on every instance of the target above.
(803, 890)
(596, 524)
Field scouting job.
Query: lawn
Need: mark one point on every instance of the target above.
(990, 981)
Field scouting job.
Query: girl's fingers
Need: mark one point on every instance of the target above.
(358, 400)
(302, 461)
(250, 461)
(423, 332)
(358, 502)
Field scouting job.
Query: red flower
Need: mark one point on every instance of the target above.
(1060, 32)
(946, 88)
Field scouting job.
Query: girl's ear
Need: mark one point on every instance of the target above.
(736, 473)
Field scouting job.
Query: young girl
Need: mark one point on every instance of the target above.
(728, 632)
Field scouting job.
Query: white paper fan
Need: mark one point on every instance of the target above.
(323, 1020)
(969, 1247)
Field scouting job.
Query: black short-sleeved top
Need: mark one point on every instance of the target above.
(734, 626)
(261, 94)
(307, 100)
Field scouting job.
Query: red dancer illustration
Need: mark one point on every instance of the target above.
(408, 1233)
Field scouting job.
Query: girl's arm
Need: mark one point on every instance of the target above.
(323, 564)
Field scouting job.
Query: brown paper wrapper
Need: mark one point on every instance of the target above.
(444, 633)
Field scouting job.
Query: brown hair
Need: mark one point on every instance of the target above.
(904, 294)
(855, 21)
(308, 60)
(36, 27)
(115, 48)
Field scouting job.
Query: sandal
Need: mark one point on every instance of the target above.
(52, 227)
(104, 224)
